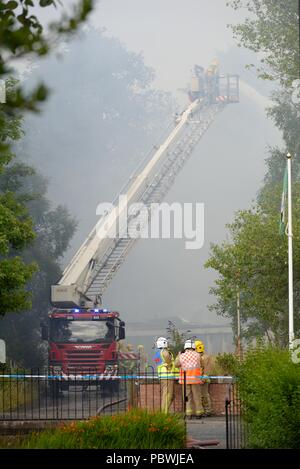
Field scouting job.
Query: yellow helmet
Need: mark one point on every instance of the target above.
(199, 346)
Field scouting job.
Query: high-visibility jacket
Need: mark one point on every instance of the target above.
(191, 367)
(166, 368)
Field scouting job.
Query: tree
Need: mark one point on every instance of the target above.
(16, 229)
(21, 35)
(21, 32)
(110, 111)
(54, 228)
(286, 116)
(269, 385)
(99, 129)
(118, 111)
(176, 338)
(271, 30)
(254, 262)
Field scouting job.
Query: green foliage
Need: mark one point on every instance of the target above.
(54, 228)
(21, 36)
(254, 262)
(15, 225)
(285, 115)
(14, 275)
(21, 32)
(269, 385)
(11, 441)
(276, 164)
(272, 30)
(134, 430)
(226, 364)
(14, 395)
(16, 228)
(176, 339)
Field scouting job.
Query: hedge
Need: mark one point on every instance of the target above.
(269, 386)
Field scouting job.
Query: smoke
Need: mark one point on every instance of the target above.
(95, 129)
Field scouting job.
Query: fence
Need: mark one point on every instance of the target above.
(40, 395)
(235, 424)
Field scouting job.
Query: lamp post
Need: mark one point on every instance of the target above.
(290, 253)
(299, 32)
(238, 318)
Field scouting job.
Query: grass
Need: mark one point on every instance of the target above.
(12, 441)
(14, 394)
(136, 429)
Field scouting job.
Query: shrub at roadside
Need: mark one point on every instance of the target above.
(269, 384)
(15, 392)
(133, 430)
(226, 364)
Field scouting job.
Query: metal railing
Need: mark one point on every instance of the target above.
(235, 424)
(42, 395)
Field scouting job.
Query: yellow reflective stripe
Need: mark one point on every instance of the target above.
(168, 376)
(166, 371)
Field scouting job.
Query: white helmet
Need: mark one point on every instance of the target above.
(161, 342)
(189, 344)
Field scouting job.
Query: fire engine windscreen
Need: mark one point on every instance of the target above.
(85, 331)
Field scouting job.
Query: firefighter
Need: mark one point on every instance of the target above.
(166, 373)
(212, 80)
(143, 359)
(206, 365)
(189, 363)
(199, 73)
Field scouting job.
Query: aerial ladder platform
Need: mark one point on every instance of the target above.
(96, 262)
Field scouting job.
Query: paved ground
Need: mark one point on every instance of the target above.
(72, 404)
(209, 428)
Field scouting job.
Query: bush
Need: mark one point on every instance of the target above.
(134, 430)
(16, 392)
(226, 364)
(269, 385)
